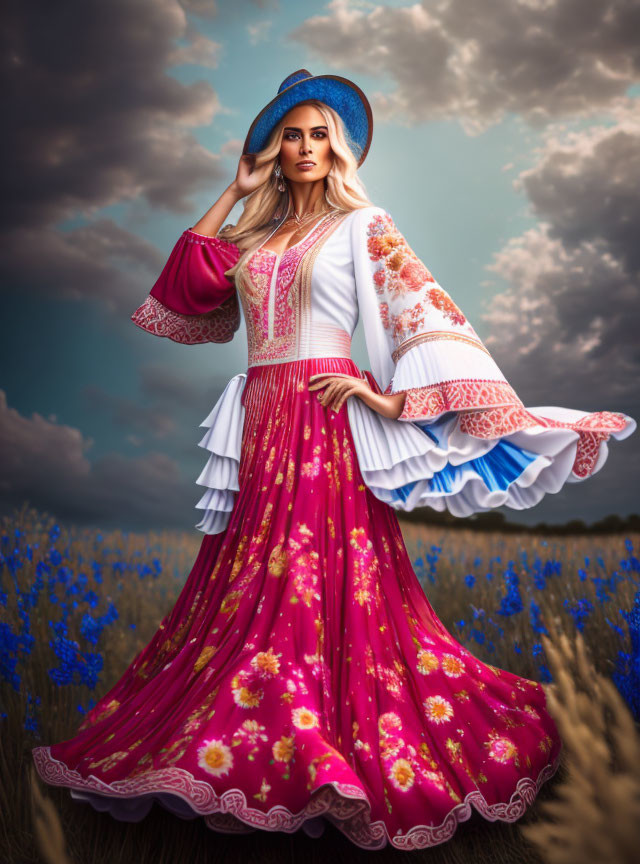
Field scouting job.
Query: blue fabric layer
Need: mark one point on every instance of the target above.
(498, 468)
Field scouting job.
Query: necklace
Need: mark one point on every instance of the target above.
(304, 218)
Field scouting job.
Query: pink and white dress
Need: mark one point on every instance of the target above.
(302, 674)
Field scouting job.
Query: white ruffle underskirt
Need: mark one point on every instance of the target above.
(410, 465)
(223, 440)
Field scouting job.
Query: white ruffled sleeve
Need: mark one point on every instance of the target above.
(464, 440)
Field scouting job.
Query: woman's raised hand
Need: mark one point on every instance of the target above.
(248, 177)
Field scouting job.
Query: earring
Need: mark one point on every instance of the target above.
(278, 175)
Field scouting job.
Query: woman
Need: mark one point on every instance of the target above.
(302, 674)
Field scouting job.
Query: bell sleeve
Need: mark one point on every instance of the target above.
(464, 440)
(193, 301)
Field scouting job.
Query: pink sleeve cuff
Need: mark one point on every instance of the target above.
(192, 281)
(193, 301)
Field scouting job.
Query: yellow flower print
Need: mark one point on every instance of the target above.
(438, 709)
(304, 718)
(266, 663)
(402, 774)
(452, 665)
(283, 749)
(531, 711)
(215, 757)
(243, 695)
(427, 662)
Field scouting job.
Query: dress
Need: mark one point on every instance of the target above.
(302, 674)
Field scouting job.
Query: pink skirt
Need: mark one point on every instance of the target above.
(302, 674)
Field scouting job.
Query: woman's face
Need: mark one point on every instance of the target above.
(305, 138)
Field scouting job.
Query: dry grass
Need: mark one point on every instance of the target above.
(595, 816)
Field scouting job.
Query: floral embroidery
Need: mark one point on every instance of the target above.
(463, 394)
(303, 564)
(275, 292)
(398, 278)
(366, 565)
(400, 268)
(216, 326)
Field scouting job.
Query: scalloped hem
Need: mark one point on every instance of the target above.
(346, 806)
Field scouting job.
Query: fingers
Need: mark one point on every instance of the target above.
(336, 391)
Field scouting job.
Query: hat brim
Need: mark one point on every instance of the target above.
(339, 93)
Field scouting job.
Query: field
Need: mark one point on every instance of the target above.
(77, 605)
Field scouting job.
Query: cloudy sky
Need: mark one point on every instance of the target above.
(506, 146)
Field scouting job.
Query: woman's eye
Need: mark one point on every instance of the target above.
(291, 135)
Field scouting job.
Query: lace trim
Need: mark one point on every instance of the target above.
(457, 394)
(473, 398)
(216, 326)
(345, 805)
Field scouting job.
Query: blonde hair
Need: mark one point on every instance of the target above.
(266, 205)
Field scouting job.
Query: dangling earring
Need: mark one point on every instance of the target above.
(278, 174)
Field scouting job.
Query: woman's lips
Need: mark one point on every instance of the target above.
(305, 166)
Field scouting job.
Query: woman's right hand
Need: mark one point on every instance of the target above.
(248, 177)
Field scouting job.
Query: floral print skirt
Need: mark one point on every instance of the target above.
(302, 675)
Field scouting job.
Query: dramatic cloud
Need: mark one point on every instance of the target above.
(474, 62)
(568, 324)
(92, 118)
(100, 262)
(49, 468)
(131, 414)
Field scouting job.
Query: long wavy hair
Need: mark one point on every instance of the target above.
(266, 206)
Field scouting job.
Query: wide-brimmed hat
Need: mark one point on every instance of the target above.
(339, 93)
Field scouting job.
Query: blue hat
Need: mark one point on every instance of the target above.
(342, 95)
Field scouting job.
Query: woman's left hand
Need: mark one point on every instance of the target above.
(340, 387)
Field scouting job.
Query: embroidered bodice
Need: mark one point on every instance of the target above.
(293, 310)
